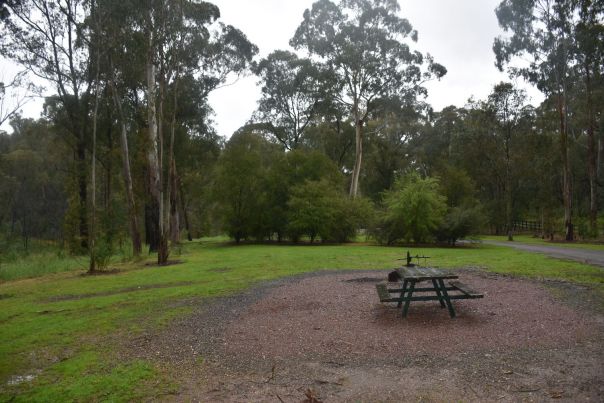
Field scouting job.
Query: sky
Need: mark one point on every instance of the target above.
(459, 34)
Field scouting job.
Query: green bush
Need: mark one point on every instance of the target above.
(239, 187)
(413, 210)
(311, 208)
(459, 223)
(348, 217)
(319, 209)
(103, 253)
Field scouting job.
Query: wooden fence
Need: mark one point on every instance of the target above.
(527, 226)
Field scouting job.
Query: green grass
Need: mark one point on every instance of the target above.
(62, 327)
(45, 259)
(38, 264)
(538, 241)
(87, 376)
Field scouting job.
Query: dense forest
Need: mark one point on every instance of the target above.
(343, 140)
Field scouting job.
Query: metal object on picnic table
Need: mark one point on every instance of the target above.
(417, 257)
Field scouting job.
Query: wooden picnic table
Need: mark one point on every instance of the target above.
(442, 292)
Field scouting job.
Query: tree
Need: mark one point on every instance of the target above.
(589, 54)
(116, 65)
(238, 183)
(464, 213)
(437, 142)
(288, 172)
(542, 31)
(507, 105)
(32, 178)
(46, 38)
(290, 96)
(335, 139)
(173, 40)
(361, 43)
(394, 128)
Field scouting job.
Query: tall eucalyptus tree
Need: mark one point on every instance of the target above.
(542, 31)
(363, 43)
(180, 38)
(507, 107)
(589, 55)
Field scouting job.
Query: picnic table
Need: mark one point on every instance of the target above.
(444, 293)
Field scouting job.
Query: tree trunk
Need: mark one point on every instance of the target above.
(151, 216)
(591, 158)
(92, 267)
(508, 186)
(133, 219)
(566, 174)
(599, 158)
(183, 207)
(174, 218)
(508, 204)
(82, 190)
(152, 157)
(354, 186)
(174, 225)
(108, 173)
(163, 250)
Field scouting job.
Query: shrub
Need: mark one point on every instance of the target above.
(239, 187)
(459, 223)
(348, 217)
(311, 208)
(319, 209)
(414, 209)
(103, 253)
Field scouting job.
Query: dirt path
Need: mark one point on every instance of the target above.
(593, 257)
(326, 335)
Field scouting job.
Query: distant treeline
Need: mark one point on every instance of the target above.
(341, 141)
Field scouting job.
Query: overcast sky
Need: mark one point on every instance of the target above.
(458, 33)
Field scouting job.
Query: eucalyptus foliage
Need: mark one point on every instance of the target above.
(363, 45)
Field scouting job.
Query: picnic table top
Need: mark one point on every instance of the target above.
(424, 273)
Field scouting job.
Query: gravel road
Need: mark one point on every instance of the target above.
(593, 257)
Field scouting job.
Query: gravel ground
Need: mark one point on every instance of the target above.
(325, 335)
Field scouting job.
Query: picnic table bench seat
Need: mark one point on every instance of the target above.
(465, 289)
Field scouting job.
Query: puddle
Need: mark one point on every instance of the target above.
(19, 379)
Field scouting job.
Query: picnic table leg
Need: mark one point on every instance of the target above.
(408, 301)
(400, 303)
(438, 293)
(443, 289)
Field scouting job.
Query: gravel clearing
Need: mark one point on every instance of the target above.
(327, 336)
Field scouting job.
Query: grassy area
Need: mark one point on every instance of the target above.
(538, 241)
(46, 258)
(63, 329)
